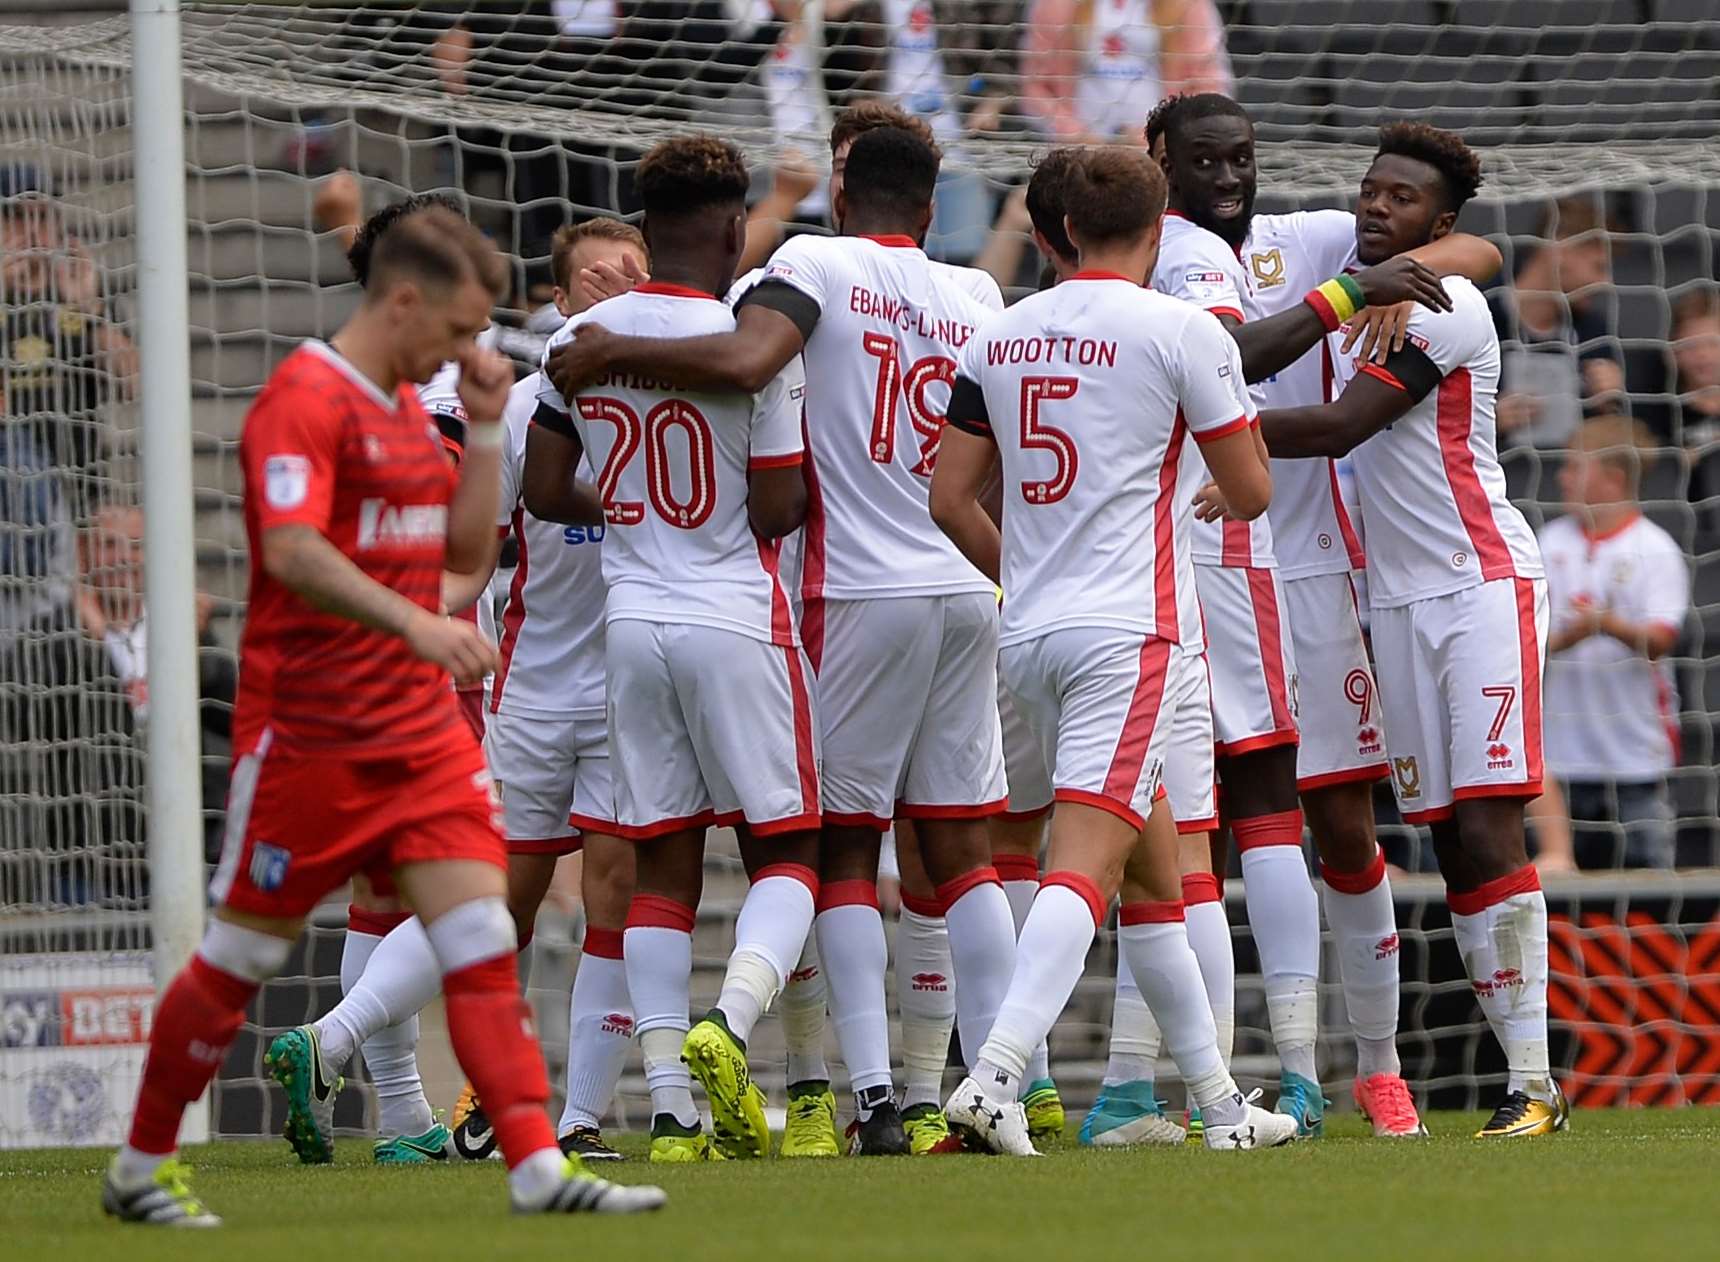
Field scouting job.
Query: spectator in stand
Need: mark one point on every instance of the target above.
(111, 614)
(1619, 588)
(62, 357)
(1692, 416)
(1558, 356)
(1092, 69)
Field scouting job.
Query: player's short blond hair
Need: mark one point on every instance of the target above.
(1618, 441)
(568, 236)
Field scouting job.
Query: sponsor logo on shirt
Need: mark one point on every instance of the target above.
(582, 534)
(385, 525)
(1417, 340)
(286, 481)
(1268, 268)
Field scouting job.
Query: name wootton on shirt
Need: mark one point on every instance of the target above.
(1051, 349)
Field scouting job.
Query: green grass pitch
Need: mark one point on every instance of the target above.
(1638, 1185)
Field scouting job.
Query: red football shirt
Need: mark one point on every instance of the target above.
(323, 446)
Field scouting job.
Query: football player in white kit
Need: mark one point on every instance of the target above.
(717, 723)
(901, 629)
(1085, 393)
(1459, 601)
(1206, 146)
(1316, 545)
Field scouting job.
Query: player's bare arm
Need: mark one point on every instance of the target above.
(776, 500)
(763, 342)
(1273, 344)
(1239, 469)
(461, 591)
(966, 465)
(301, 559)
(1367, 406)
(550, 483)
(1382, 330)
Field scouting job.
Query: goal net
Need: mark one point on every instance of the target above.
(1597, 120)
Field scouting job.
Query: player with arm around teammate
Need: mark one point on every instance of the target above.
(1084, 394)
(1459, 603)
(710, 709)
(900, 628)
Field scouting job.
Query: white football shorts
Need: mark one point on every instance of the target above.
(1023, 761)
(553, 777)
(1189, 762)
(1253, 661)
(1337, 703)
(1103, 704)
(708, 726)
(1460, 679)
(907, 692)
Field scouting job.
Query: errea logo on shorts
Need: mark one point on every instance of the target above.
(385, 525)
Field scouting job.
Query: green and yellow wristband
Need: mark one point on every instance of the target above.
(1336, 301)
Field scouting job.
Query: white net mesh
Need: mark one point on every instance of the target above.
(534, 112)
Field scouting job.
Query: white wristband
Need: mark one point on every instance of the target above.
(484, 437)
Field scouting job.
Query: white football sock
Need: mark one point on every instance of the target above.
(851, 945)
(770, 934)
(1020, 875)
(391, 1054)
(1209, 938)
(1135, 1037)
(1165, 969)
(925, 997)
(534, 1180)
(982, 951)
(1284, 915)
(400, 977)
(599, 1030)
(1053, 954)
(1501, 931)
(802, 1005)
(1364, 926)
(658, 945)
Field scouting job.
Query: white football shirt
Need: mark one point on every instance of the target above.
(1197, 266)
(1285, 256)
(1611, 714)
(552, 624)
(1430, 485)
(672, 471)
(879, 364)
(1091, 389)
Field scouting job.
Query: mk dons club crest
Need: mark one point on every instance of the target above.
(1268, 268)
(1408, 773)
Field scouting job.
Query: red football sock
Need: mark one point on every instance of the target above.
(490, 1027)
(194, 1025)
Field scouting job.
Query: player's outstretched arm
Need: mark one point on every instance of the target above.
(745, 360)
(485, 378)
(550, 483)
(1383, 330)
(303, 561)
(965, 463)
(1271, 345)
(1335, 429)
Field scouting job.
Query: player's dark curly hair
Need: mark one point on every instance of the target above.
(891, 171)
(1458, 165)
(686, 174)
(359, 252)
(1045, 200)
(1114, 193)
(1172, 114)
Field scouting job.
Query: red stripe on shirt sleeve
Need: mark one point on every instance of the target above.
(1223, 431)
(789, 461)
(1385, 375)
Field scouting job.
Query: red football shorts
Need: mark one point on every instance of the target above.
(301, 824)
